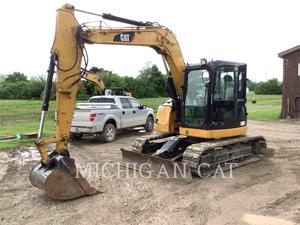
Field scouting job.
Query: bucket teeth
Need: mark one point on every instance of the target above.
(61, 180)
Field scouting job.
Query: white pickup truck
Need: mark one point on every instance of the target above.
(104, 115)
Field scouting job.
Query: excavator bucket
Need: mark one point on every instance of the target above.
(156, 166)
(60, 180)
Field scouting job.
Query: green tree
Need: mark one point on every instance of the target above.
(251, 85)
(270, 87)
(16, 86)
(134, 86)
(14, 90)
(34, 89)
(149, 83)
(3, 91)
(153, 82)
(112, 80)
(15, 77)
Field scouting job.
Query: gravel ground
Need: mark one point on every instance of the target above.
(266, 192)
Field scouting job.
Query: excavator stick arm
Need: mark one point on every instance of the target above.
(55, 174)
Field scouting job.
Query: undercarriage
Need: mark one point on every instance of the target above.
(200, 157)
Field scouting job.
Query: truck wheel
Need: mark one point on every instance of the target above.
(149, 124)
(109, 133)
(76, 136)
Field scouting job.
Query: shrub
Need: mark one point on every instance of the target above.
(270, 87)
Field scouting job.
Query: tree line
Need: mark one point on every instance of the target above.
(17, 86)
(269, 87)
(149, 83)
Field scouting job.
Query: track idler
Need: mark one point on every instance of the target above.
(60, 179)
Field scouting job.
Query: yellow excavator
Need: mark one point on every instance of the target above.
(204, 123)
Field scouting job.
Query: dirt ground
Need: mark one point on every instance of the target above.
(266, 192)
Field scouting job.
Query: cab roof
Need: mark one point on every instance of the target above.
(216, 63)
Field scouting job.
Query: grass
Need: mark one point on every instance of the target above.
(19, 111)
(15, 144)
(22, 116)
(152, 102)
(26, 127)
(266, 108)
(264, 114)
(21, 128)
(264, 99)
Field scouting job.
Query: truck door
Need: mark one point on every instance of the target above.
(127, 116)
(139, 113)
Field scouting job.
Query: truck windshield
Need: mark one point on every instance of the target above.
(195, 98)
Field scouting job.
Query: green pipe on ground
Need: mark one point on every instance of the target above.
(10, 138)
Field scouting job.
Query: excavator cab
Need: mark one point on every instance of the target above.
(212, 128)
(214, 97)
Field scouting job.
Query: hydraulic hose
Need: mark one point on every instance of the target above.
(5, 139)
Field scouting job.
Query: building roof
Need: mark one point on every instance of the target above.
(286, 52)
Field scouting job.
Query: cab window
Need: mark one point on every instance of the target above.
(195, 98)
(224, 85)
(223, 96)
(125, 103)
(135, 103)
(102, 100)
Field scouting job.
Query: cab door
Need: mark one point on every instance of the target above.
(241, 95)
(224, 98)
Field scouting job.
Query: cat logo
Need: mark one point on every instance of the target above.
(124, 37)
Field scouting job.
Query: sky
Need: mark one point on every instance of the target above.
(247, 31)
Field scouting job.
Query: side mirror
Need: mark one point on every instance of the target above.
(142, 107)
(205, 77)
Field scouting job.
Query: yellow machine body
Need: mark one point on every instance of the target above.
(166, 120)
